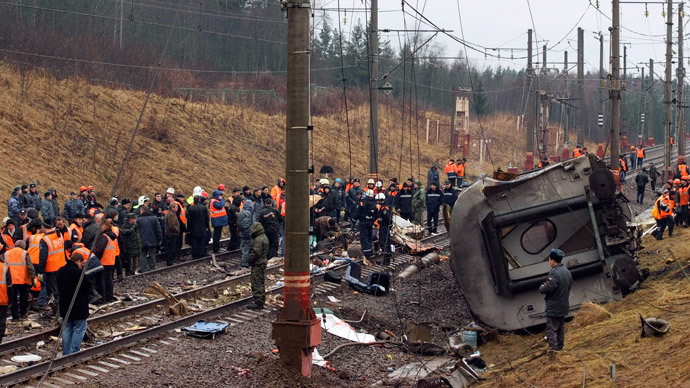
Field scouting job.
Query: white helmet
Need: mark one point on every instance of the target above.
(370, 181)
(379, 184)
(369, 193)
(170, 190)
(197, 191)
(380, 196)
(143, 200)
(324, 181)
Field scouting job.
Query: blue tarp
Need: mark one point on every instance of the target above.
(206, 329)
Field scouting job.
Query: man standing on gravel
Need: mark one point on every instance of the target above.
(653, 174)
(258, 257)
(75, 326)
(150, 236)
(556, 290)
(641, 180)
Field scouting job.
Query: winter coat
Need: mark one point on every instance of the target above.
(47, 212)
(74, 207)
(418, 199)
(131, 242)
(384, 217)
(339, 194)
(67, 281)
(13, 207)
(641, 179)
(556, 290)
(56, 206)
(271, 218)
(91, 230)
(258, 207)
(392, 197)
(450, 195)
(35, 201)
(366, 213)
(330, 204)
(321, 224)
(25, 200)
(434, 199)
(351, 199)
(233, 211)
(149, 230)
(197, 220)
(258, 253)
(404, 204)
(172, 224)
(246, 217)
(432, 176)
(157, 208)
(218, 204)
(653, 173)
(102, 243)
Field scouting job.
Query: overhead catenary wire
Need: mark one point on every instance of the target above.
(344, 80)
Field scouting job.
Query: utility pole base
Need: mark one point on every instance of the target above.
(529, 161)
(296, 340)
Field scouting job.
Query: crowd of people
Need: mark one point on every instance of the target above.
(86, 245)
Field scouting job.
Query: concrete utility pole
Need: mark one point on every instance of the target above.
(452, 122)
(374, 91)
(122, 6)
(641, 118)
(650, 119)
(544, 103)
(602, 78)
(624, 120)
(297, 331)
(680, 76)
(529, 113)
(667, 94)
(567, 96)
(581, 83)
(615, 91)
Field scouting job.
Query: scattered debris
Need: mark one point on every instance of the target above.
(590, 313)
(652, 327)
(177, 307)
(26, 358)
(378, 283)
(135, 328)
(418, 332)
(425, 262)
(203, 329)
(241, 372)
(8, 369)
(337, 327)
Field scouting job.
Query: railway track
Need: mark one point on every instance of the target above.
(161, 323)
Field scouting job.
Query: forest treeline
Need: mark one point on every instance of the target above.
(235, 50)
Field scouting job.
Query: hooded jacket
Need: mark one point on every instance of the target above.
(258, 254)
(432, 176)
(418, 198)
(246, 217)
(218, 203)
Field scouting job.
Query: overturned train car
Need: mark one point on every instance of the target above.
(501, 234)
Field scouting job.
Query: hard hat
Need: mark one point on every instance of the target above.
(379, 184)
(632, 147)
(197, 191)
(204, 194)
(676, 181)
(369, 193)
(83, 188)
(370, 181)
(143, 200)
(380, 196)
(338, 180)
(221, 187)
(324, 181)
(170, 190)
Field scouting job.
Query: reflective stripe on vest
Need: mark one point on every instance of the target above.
(16, 260)
(276, 192)
(7, 241)
(684, 196)
(80, 232)
(109, 252)
(640, 153)
(460, 170)
(116, 230)
(25, 231)
(215, 213)
(183, 215)
(34, 249)
(56, 251)
(683, 168)
(4, 300)
(84, 252)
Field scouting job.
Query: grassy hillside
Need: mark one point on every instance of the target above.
(64, 133)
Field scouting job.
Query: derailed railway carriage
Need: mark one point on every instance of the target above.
(501, 233)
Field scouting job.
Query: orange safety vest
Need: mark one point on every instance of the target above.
(183, 214)
(37, 287)
(460, 170)
(215, 213)
(92, 211)
(56, 251)
(80, 232)
(34, 248)
(16, 259)
(577, 153)
(4, 299)
(26, 233)
(276, 192)
(450, 168)
(84, 252)
(623, 165)
(640, 153)
(348, 187)
(684, 196)
(116, 230)
(661, 214)
(683, 169)
(109, 252)
(282, 208)
(7, 240)
(67, 235)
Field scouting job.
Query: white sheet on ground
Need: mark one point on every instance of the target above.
(337, 327)
(317, 360)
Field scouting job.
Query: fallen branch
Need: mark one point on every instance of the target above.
(361, 344)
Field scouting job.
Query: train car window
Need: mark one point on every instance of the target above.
(538, 236)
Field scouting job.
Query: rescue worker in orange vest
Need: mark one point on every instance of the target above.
(640, 156)
(543, 163)
(182, 217)
(51, 259)
(633, 157)
(682, 169)
(5, 292)
(105, 250)
(61, 226)
(622, 167)
(219, 218)
(450, 171)
(23, 275)
(34, 244)
(277, 190)
(663, 213)
(460, 171)
(76, 230)
(577, 152)
(8, 235)
(683, 199)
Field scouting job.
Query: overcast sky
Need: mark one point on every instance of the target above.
(504, 24)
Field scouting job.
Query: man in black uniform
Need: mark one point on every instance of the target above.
(366, 215)
(556, 290)
(404, 204)
(383, 219)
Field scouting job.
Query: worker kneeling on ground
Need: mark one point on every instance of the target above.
(258, 257)
(556, 290)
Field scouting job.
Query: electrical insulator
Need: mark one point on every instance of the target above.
(682, 14)
(663, 12)
(345, 18)
(597, 4)
(646, 12)
(603, 83)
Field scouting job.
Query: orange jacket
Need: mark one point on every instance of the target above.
(16, 259)
(460, 170)
(56, 251)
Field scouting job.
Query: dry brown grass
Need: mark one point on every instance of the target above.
(67, 133)
(640, 362)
